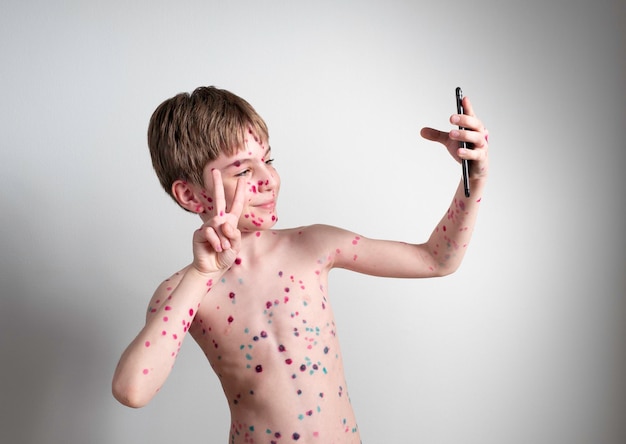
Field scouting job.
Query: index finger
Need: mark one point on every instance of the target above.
(218, 192)
(471, 122)
(237, 207)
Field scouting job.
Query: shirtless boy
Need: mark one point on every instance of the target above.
(255, 299)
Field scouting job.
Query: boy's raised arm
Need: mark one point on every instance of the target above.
(148, 360)
(448, 241)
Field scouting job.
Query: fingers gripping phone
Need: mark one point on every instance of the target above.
(465, 164)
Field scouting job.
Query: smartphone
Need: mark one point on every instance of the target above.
(465, 164)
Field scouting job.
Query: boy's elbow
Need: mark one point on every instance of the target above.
(129, 395)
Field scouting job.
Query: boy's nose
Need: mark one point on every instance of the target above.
(267, 182)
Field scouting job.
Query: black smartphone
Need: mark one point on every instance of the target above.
(465, 164)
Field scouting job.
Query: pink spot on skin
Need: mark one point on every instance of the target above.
(174, 336)
(462, 205)
(258, 234)
(478, 200)
(146, 371)
(165, 319)
(163, 333)
(168, 308)
(191, 312)
(147, 344)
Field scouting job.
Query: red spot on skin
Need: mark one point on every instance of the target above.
(230, 319)
(288, 361)
(231, 295)
(286, 289)
(479, 199)
(259, 368)
(168, 308)
(462, 205)
(191, 312)
(165, 319)
(444, 228)
(147, 344)
(146, 371)
(163, 333)
(238, 261)
(237, 163)
(268, 305)
(258, 234)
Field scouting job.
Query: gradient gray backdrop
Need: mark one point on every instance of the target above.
(525, 344)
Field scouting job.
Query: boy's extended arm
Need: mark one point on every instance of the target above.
(443, 253)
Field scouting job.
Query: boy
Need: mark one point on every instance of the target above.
(255, 299)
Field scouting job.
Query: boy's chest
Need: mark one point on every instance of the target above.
(265, 310)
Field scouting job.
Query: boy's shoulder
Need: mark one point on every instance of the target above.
(317, 236)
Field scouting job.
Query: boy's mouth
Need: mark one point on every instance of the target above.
(269, 205)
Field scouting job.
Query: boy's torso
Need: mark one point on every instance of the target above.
(268, 331)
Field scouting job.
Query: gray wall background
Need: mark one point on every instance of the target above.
(524, 344)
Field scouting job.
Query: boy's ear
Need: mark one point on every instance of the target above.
(186, 196)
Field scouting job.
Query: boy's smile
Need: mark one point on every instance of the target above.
(262, 184)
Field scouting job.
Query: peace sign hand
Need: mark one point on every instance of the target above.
(218, 241)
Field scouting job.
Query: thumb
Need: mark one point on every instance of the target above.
(433, 135)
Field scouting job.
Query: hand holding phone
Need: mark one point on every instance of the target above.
(465, 164)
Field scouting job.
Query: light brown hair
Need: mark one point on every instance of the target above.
(189, 130)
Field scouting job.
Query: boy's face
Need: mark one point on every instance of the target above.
(253, 162)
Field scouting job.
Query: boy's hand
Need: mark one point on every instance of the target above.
(474, 133)
(217, 243)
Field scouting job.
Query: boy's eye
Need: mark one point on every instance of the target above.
(243, 173)
(269, 161)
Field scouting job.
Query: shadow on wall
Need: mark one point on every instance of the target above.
(49, 341)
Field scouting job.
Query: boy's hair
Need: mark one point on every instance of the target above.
(190, 130)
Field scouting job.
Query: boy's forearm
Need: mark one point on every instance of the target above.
(148, 360)
(449, 240)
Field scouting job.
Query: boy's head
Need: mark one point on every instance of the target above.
(190, 130)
